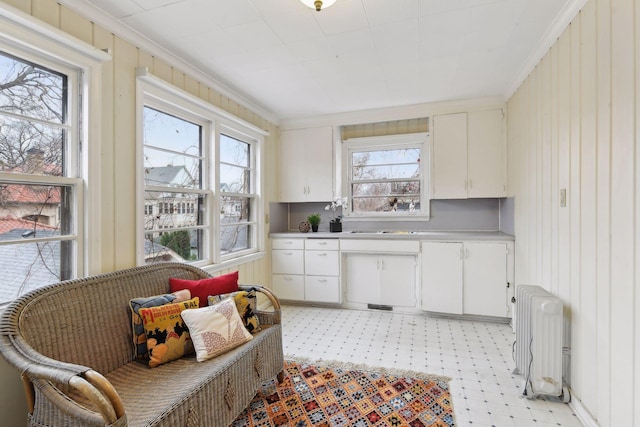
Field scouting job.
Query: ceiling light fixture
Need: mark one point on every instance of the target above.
(318, 4)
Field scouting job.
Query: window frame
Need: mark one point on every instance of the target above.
(388, 142)
(25, 38)
(152, 89)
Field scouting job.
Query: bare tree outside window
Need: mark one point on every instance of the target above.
(36, 221)
(386, 180)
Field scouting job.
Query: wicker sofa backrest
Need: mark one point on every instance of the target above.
(87, 321)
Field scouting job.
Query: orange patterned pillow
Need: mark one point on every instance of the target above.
(168, 337)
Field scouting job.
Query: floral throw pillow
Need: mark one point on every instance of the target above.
(246, 303)
(215, 329)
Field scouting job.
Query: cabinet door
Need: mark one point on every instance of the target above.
(288, 287)
(362, 278)
(397, 280)
(321, 263)
(319, 164)
(485, 279)
(442, 277)
(322, 289)
(292, 168)
(449, 173)
(486, 172)
(287, 262)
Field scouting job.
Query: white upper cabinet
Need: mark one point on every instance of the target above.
(306, 165)
(469, 155)
(486, 162)
(449, 174)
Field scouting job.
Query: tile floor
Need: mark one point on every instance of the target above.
(477, 356)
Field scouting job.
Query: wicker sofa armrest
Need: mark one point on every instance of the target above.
(266, 317)
(53, 376)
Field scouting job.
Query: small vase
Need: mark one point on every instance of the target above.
(335, 227)
(314, 228)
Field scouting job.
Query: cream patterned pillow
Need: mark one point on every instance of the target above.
(215, 329)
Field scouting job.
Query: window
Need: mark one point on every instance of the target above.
(237, 194)
(200, 173)
(386, 176)
(40, 231)
(172, 175)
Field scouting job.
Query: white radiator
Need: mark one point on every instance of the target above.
(538, 348)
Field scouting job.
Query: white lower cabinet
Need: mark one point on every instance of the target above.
(442, 277)
(306, 270)
(467, 277)
(287, 268)
(381, 279)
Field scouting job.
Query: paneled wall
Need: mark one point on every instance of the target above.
(573, 129)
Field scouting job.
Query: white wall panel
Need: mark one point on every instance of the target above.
(603, 213)
(586, 286)
(573, 124)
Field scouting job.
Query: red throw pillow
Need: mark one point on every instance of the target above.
(204, 287)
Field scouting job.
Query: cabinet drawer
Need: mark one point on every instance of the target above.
(322, 244)
(322, 263)
(322, 289)
(288, 287)
(287, 244)
(287, 262)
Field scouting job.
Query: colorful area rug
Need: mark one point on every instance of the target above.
(323, 396)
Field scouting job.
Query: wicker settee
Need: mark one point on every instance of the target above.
(72, 342)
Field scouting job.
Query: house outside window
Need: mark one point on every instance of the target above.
(200, 173)
(386, 176)
(40, 186)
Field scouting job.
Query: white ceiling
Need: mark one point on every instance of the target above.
(356, 55)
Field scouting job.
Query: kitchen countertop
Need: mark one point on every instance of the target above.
(400, 235)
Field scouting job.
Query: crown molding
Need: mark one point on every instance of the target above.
(108, 22)
(559, 24)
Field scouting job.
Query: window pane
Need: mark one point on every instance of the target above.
(233, 151)
(28, 147)
(234, 238)
(168, 132)
(234, 179)
(177, 245)
(28, 266)
(386, 204)
(185, 173)
(28, 210)
(390, 189)
(386, 164)
(234, 209)
(32, 91)
(173, 210)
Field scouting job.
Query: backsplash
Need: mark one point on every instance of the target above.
(449, 215)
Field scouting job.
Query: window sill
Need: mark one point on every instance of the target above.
(215, 268)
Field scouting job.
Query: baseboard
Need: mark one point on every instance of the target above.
(582, 413)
